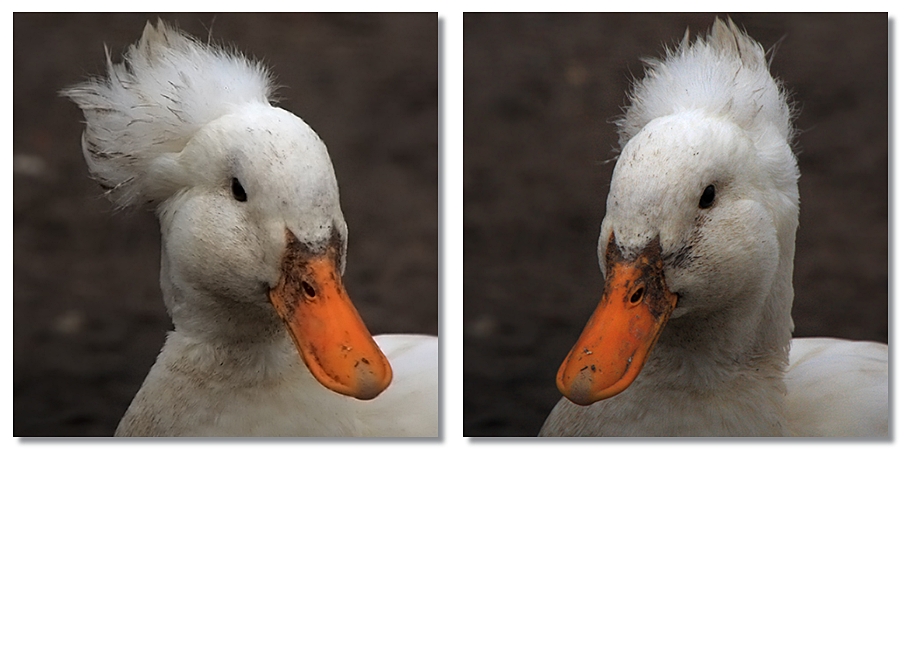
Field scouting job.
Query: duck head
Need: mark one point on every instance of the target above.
(697, 237)
(253, 237)
(255, 221)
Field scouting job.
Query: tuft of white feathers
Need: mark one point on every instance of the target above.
(725, 73)
(149, 106)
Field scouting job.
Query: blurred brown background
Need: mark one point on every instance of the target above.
(540, 93)
(88, 315)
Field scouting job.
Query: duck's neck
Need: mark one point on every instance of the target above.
(750, 336)
(723, 369)
(237, 363)
(712, 351)
(709, 348)
(244, 342)
(202, 385)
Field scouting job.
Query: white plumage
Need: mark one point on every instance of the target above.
(266, 341)
(148, 107)
(692, 337)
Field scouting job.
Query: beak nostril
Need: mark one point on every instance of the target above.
(637, 296)
(308, 289)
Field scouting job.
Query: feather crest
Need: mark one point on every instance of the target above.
(725, 73)
(149, 106)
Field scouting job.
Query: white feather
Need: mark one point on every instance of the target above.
(168, 87)
(183, 125)
(711, 113)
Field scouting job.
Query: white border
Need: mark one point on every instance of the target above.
(464, 555)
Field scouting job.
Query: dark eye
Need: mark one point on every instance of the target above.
(237, 190)
(707, 197)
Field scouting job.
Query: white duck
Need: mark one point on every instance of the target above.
(265, 340)
(693, 330)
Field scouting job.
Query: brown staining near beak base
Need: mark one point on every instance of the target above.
(328, 332)
(648, 267)
(620, 334)
(295, 286)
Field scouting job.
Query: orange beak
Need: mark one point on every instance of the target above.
(622, 331)
(330, 336)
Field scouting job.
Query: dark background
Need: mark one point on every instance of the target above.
(540, 93)
(88, 315)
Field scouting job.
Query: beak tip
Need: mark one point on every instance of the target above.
(370, 386)
(578, 389)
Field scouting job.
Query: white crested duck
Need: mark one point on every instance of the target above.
(692, 336)
(266, 341)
